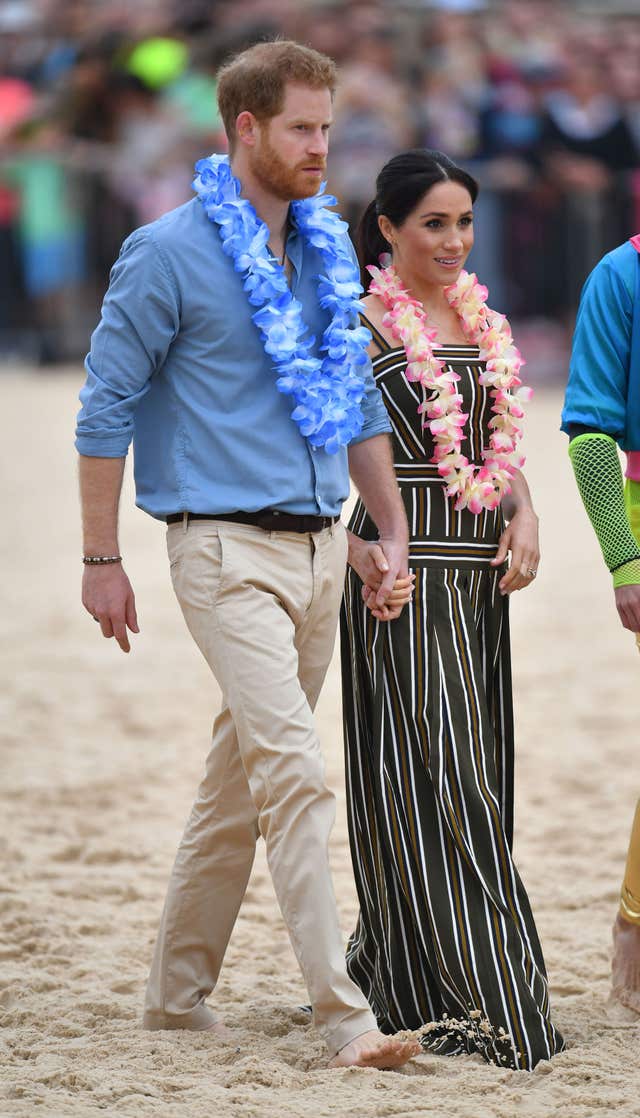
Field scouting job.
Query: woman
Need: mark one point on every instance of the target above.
(445, 932)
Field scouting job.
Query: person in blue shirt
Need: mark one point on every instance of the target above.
(601, 413)
(240, 420)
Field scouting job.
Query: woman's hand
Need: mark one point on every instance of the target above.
(520, 537)
(401, 594)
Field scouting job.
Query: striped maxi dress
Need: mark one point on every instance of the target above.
(445, 933)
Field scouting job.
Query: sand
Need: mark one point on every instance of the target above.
(101, 755)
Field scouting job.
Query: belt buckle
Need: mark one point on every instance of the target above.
(268, 520)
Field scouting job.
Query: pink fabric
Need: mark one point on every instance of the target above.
(633, 463)
(635, 241)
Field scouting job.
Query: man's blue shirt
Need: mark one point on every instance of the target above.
(177, 365)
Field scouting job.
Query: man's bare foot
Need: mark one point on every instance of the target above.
(374, 1050)
(625, 965)
(220, 1029)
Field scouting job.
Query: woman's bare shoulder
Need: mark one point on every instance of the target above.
(374, 312)
(373, 308)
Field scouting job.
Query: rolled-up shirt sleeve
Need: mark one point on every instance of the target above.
(140, 319)
(376, 417)
(596, 395)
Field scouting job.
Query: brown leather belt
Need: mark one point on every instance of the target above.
(271, 520)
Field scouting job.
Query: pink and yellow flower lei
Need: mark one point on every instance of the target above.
(474, 487)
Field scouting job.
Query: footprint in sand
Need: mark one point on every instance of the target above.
(130, 986)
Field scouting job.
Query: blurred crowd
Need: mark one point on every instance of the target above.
(106, 104)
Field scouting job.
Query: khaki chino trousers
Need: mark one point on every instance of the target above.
(263, 608)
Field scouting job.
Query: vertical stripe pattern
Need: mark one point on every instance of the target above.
(445, 932)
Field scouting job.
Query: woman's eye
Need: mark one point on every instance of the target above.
(433, 224)
(466, 221)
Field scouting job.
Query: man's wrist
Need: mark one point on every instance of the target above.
(627, 574)
(394, 539)
(92, 560)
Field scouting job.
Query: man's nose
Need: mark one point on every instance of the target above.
(318, 143)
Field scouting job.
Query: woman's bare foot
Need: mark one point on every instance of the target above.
(625, 965)
(374, 1050)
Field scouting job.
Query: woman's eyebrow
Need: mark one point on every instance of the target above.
(435, 213)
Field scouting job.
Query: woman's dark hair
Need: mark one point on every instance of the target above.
(402, 182)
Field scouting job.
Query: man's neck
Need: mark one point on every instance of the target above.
(273, 211)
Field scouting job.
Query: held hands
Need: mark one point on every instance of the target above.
(520, 537)
(401, 593)
(107, 595)
(382, 567)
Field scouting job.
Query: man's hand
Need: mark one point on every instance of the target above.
(520, 537)
(107, 595)
(367, 559)
(384, 594)
(395, 553)
(371, 467)
(628, 606)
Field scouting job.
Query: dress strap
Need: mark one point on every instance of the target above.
(381, 342)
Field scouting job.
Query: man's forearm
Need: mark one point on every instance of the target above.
(596, 466)
(371, 467)
(100, 486)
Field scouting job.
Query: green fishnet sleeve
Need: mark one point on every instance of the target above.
(632, 501)
(596, 466)
(629, 574)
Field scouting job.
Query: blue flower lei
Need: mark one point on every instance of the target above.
(327, 391)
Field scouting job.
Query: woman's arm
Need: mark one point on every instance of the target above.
(520, 537)
(519, 498)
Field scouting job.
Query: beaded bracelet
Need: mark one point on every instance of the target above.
(91, 559)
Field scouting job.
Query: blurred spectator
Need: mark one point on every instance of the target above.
(446, 116)
(152, 160)
(587, 150)
(16, 104)
(51, 235)
(372, 120)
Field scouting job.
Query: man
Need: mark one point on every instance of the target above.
(602, 409)
(251, 490)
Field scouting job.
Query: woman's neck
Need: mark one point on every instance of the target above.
(431, 295)
(438, 310)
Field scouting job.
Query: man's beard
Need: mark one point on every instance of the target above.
(281, 180)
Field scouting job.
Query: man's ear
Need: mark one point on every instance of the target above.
(247, 128)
